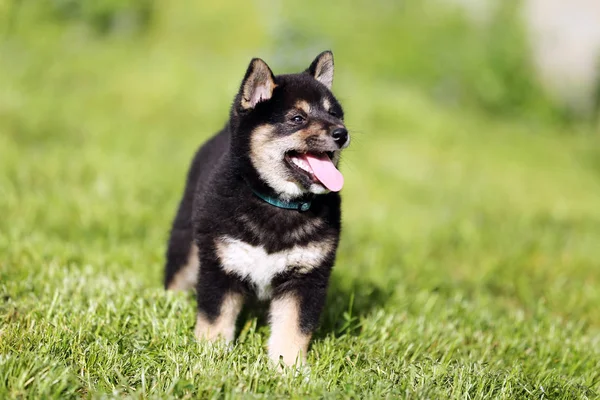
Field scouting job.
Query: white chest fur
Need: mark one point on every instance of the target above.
(259, 267)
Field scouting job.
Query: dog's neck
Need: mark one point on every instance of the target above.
(268, 195)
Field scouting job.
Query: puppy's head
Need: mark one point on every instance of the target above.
(290, 128)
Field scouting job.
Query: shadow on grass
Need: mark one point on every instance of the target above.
(346, 303)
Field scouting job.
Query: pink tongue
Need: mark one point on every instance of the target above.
(325, 171)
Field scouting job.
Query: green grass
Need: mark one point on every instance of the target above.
(468, 266)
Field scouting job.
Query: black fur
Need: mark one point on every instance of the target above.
(219, 200)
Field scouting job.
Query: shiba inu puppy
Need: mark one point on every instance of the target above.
(260, 214)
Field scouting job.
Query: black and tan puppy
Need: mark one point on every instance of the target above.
(260, 214)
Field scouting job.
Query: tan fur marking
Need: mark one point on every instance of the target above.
(326, 104)
(303, 105)
(314, 129)
(267, 157)
(267, 153)
(287, 340)
(224, 326)
(185, 278)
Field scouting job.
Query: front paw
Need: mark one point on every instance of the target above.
(289, 350)
(213, 331)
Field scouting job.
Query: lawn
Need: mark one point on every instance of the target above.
(469, 260)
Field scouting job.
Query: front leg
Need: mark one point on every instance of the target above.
(294, 314)
(220, 300)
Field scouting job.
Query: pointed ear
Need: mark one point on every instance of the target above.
(258, 84)
(322, 68)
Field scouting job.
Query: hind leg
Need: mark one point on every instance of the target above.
(184, 274)
(181, 269)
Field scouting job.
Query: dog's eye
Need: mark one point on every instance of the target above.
(333, 113)
(297, 119)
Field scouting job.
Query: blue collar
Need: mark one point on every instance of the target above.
(288, 205)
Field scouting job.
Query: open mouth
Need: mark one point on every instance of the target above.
(316, 167)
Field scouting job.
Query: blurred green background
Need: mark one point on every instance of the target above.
(434, 46)
(472, 196)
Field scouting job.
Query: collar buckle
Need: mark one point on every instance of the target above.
(304, 206)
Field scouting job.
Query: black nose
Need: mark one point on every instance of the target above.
(340, 135)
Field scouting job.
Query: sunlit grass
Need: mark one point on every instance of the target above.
(468, 265)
